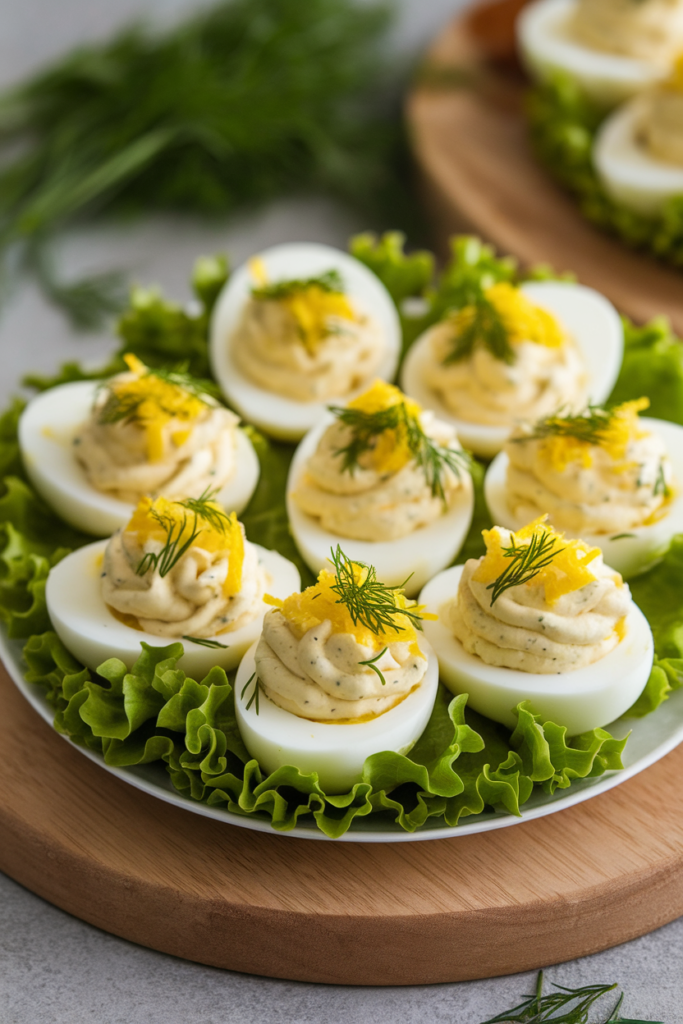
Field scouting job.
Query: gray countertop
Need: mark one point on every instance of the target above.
(54, 968)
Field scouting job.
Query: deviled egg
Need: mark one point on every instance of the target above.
(389, 480)
(614, 49)
(92, 450)
(605, 474)
(339, 673)
(516, 354)
(638, 151)
(540, 619)
(177, 571)
(298, 326)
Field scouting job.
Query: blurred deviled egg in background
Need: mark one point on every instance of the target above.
(93, 449)
(605, 474)
(514, 354)
(178, 571)
(613, 49)
(299, 326)
(388, 481)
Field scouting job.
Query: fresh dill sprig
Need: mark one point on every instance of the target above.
(371, 664)
(205, 642)
(565, 1006)
(124, 407)
(588, 426)
(369, 602)
(432, 458)
(331, 282)
(526, 562)
(484, 327)
(173, 550)
(254, 699)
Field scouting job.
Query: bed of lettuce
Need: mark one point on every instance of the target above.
(463, 763)
(563, 124)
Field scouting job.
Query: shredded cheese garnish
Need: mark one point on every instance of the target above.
(568, 568)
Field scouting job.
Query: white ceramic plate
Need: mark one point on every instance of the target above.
(652, 738)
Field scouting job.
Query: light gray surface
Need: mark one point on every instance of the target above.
(54, 968)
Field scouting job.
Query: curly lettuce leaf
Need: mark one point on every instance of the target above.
(563, 124)
(461, 764)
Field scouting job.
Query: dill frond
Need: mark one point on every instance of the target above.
(330, 282)
(589, 426)
(120, 406)
(205, 642)
(254, 699)
(526, 562)
(432, 458)
(203, 513)
(369, 602)
(564, 1006)
(484, 328)
(371, 664)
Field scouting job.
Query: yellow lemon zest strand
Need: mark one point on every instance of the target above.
(523, 319)
(312, 308)
(257, 269)
(622, 428)
(154, 518)
(320, 603)
(568, 570)
(156, 402)
(391, 451)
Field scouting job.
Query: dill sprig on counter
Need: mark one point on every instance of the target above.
(122, 406)
(369, 602)
(526, 562)
(203, 512)
(565, 1006)
(482, 327)
(331, 282)
(588, 426)
(432, 458)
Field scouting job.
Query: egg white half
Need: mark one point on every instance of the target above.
(422, 553)
(46, 431)
(587, 698)
(88, 629)
(629, 174)
(629, 553)
(586, 315)
(547, 46)
(335, 751)
(282, 417)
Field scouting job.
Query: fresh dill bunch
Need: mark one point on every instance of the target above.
(369, 602)
(482, 326)
(330, 282)
(565, 1006)
(120, 406)
(432, 458)
(203, 513)
(589, 426)
(526, 562)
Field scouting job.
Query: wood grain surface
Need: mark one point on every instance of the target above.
(478, 173)
(359, 914)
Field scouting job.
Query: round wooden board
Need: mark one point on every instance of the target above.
(478, 173)
(358, 914)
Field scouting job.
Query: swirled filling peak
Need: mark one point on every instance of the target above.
(346, 649)
(660, 125)
(305, 338)
(538, 602)
(154, 429)
(382, 469)
(649, 30)
(182, 568)
(597, 471)
(503, 358)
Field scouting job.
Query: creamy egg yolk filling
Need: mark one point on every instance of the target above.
(596, 472)
(504, 359)
(537, 602)
(660, 125)
(368, 478)
(318, 659)
(148, 433)
(650, 30)
(305, 340)
(182, 569)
